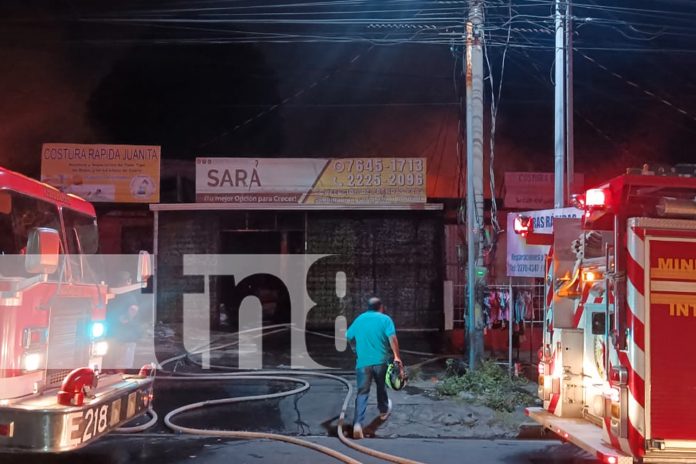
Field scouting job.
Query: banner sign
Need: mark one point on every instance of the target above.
(670, 263)
(344, 181)
(528, 260)
(103, 173)
(532, 190)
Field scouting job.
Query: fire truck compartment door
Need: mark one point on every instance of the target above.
(670, 265)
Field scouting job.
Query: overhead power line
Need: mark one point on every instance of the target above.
(636, 86)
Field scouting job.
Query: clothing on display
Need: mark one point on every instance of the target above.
(497, 304)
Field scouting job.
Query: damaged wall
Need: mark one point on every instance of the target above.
(397, 255)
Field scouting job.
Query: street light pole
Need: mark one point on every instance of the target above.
(474, 170)
(570, 143)
(559, 113)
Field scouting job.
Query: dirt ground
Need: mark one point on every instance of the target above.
(419, 411)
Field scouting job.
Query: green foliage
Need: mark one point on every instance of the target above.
(489, 385)
(455, 367)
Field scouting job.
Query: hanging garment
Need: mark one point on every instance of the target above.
(519, 307)
(504, 305)
(487, 321)
(495, 307)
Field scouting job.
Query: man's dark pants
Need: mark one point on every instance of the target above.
(365, 376)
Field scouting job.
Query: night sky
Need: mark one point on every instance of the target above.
(343, 78)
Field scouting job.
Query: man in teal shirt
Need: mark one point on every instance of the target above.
(373, 337)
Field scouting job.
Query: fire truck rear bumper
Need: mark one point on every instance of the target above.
(670, 451)
(40, 424)
(581, 433)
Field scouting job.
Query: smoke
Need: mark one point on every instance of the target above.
(44, 100)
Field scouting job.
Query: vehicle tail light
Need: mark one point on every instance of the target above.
(100, 348)
(7, 430)
(32, 362)
(523, 225)
(607, 458)
(597, 198)
(615, 410)
(592, 276)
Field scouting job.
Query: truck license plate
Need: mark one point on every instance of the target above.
(95, 421)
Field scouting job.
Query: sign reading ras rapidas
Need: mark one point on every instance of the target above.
(357, 181)
(529, 260)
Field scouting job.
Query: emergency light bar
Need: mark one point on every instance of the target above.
(523, 225)
(597, 198)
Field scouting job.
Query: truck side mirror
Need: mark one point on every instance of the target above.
(144, 266)
(43, 251)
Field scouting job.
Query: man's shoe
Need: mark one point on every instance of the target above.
(385, 415)
(357, 432)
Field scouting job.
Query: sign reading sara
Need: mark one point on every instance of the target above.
(103, 173)
(347, 181)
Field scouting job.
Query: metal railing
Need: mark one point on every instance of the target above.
(528, 326)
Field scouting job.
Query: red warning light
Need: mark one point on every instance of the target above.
(523, 225)
(597, 198)
(7, 430)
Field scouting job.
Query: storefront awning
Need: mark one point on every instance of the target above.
(292, 207)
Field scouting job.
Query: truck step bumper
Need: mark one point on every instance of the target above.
(40, 424)
(581, 433)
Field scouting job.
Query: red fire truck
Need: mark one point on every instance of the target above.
(617, 371)
(53, 393)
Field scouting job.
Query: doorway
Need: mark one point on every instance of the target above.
(269, 289)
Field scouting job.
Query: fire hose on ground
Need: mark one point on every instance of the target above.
(288, 376)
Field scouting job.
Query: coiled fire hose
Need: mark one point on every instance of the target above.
(270, 375)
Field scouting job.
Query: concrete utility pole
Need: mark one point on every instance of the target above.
(559, 118)
(570, 144)
(474, 170)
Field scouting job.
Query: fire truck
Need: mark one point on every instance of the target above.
(617, 370)
(54, 394)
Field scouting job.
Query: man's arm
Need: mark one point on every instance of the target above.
(394, 343)
(350, 337)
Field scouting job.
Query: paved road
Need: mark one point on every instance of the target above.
(312, 415)
(170, 449)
